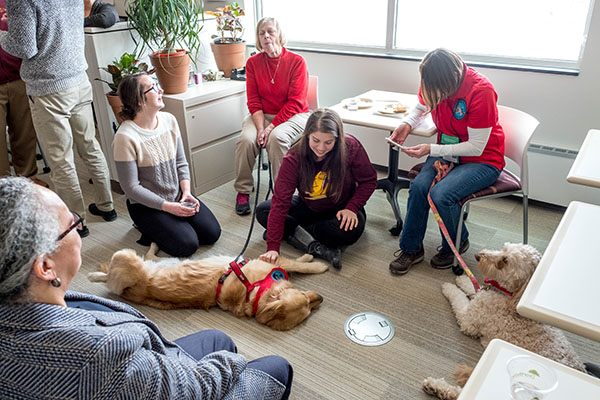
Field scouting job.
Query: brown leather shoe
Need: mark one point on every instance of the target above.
(404, 261)
(445, 259)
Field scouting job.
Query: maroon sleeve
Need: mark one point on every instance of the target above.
(363, 173)
(285, 186)
(297, 92)
(483, 111)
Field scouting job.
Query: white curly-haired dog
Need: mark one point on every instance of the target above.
(489, 314)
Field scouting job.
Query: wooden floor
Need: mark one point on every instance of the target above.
(327, 365)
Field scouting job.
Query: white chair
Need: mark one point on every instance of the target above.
(518, 129)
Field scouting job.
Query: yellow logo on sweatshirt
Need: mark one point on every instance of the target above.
(319, 187)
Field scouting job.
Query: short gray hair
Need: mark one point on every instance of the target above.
(280, 35)
(28, 231)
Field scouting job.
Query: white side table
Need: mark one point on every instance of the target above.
(490, 380)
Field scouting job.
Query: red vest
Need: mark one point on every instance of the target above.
(474, 105)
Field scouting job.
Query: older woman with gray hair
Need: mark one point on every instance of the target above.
(276, 88)
(83, 346)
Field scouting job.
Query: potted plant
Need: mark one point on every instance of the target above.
(172, 28)
(120, 68)
(228, 47)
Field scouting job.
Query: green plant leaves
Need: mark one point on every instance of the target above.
(165, 25)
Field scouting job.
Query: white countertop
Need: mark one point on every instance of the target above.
(564, 289)
(490, 379)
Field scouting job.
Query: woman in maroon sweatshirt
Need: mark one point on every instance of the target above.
(334, 179)
(276, 87)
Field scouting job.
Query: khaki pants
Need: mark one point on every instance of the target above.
(280, 141)
(14, 113)
(61, 120)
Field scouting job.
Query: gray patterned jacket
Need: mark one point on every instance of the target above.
(54, 352)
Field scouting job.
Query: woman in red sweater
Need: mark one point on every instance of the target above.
(276, 86)
(334, 178)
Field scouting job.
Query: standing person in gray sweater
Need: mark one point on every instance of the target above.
(44, 34)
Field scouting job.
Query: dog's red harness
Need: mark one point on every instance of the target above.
(277, 274)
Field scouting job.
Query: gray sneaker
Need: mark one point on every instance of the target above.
(445, 259)
(404, 261)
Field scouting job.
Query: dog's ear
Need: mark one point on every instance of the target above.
(502, 263)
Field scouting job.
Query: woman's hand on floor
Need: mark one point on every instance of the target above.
(270, 256)
(348, 218)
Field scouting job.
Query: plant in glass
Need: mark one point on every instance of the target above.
(171, 29)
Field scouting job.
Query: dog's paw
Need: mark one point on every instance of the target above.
(305, 258)
(97, 276)
(464, 283)
(440, 388)
(448, 288)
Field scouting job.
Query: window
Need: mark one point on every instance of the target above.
(546, 33)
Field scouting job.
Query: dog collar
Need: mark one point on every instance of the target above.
(276, 275)
(497, 286)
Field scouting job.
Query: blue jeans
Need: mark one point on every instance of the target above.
(463, 180)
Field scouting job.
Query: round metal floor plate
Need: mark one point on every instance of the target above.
(369, 329)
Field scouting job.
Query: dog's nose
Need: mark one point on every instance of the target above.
(477, 257)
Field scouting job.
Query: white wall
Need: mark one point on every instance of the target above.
(566, 106)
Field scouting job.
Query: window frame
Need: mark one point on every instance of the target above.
(389, 52)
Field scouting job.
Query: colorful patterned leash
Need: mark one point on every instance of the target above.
(443, 170)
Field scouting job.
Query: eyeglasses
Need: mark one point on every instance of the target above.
(154, 87)
(77, 224)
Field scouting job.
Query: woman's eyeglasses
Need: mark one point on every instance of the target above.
(77, 224)
(154, 87)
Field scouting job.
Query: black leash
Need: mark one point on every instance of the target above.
(256, 203)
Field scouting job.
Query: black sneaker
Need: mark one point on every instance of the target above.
(404, 261)
(242, 204)
(84, 231)
(106, 215)
(331, 254)
(445, 259)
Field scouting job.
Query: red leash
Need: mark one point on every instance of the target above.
(443, 170)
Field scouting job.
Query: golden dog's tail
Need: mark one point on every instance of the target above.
(303, 264)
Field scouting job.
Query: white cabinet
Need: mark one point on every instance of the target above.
(210, 119)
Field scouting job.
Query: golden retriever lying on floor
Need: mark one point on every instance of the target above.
(169, 283)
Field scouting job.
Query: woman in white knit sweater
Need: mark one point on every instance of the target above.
(154, 173)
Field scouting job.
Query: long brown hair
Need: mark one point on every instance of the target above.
(442, 73)
(334, 165)
(131, 93)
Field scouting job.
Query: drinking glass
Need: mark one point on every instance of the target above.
(530, 379)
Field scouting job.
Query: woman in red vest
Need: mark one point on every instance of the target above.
(463, 105)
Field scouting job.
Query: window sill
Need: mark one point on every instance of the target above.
(475, 64)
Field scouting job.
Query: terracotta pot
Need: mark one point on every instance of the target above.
(172, 70)
(229, 56)
(115, 103)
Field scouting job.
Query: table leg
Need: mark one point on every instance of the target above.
(391, 185)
